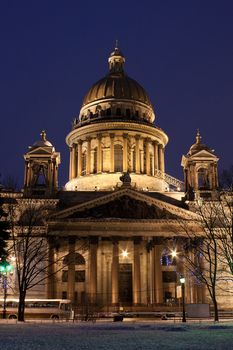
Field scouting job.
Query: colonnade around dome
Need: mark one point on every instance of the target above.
(116, 152)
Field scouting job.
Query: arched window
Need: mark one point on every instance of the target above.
(127, 112)
(95, 160)
(84, 163)
(118, 158)
(203, 181)
(118, 111)
(167, 259)
(78, 260)
(108, 111)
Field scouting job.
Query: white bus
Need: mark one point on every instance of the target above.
(39, 308)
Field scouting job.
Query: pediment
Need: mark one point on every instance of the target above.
(40, 151)
(123, 204)
(205, 155)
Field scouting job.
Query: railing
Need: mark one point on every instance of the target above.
(170, 180)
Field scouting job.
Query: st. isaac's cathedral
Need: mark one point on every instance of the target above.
(114, 226)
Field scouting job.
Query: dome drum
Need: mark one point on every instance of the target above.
(109, 109)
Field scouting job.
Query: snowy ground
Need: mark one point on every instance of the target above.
(111, 336)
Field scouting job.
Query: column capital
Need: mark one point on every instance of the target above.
(147, 139)
(155, 143)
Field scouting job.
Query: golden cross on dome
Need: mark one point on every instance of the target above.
(43, 135)
(198, 137)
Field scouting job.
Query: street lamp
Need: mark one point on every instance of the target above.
(182, 281)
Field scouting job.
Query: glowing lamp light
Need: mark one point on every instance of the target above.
(174, 253)
(5, 267)
(125, 253)
(182, 280)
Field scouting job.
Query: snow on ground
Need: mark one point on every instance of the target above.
(115, 336)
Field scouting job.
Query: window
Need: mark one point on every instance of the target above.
(108, 111)
(169, 276)
(203, 181)
(127, 112)
(118, 111)
(76, 258)
(95, 160)
(84, 162)
(118, 158)
(80, 276)
(64, 276)
(64, 295)
(168, 260)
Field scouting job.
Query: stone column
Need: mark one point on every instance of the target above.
(125, 153)
(158, 275)
(112, 152)
(26, 174)
(137, 137)
(93, 269)
(71, 164)
(51, 284)
(79, 158)
(88, 156)
(152, 276)
(142, 161)
(161, 159)
(136, 272)
(71, 269)
(99, 153)
(115, 273)
(156, 160)
(148, 156)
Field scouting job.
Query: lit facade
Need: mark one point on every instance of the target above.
(114, 226)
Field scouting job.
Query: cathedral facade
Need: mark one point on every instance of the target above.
(113, 234)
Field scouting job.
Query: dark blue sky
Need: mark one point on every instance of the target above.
(53, 51)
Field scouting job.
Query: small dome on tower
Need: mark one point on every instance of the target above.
(42, 142)
(198, 146)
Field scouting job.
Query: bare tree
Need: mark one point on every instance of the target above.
(201, 248)
(30, 242)
(226, 179)
(29, 246)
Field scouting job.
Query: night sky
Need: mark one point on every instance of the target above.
(52, 52)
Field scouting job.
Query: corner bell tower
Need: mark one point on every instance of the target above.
(200, 171)
(41, 168)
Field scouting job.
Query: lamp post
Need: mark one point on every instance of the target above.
(182, 281)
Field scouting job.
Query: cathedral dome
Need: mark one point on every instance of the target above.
(114, 134)
(118, 86)
(117, 95)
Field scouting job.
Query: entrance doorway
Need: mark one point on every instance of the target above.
(125, 284)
